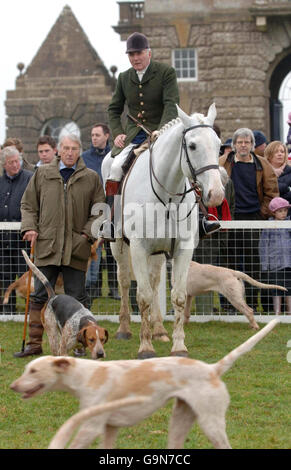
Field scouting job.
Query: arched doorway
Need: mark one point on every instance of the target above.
(57, 127)
(277, 112)
(285, 98)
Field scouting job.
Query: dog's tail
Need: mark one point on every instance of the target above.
(224, 364)
(260, 285)
(11, 288)
(40, 276)
(8, 292)
(61, 438)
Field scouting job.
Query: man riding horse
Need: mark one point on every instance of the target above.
(150, 90)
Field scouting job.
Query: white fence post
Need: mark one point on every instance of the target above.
(163, 290)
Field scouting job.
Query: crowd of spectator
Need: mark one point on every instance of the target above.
(254, 172)
(16, 172)
(258, 172)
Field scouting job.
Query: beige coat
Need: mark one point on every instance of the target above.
(61, 214)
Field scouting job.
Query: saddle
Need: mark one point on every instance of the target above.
(133, 155)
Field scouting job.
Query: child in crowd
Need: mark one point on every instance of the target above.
(275, 253)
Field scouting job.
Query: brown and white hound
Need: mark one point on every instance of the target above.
(67, 322)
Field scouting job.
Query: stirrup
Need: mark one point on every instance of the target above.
(207, 228)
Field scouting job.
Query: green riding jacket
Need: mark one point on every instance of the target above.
(152, 101)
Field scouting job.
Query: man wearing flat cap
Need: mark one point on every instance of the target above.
(150, 91)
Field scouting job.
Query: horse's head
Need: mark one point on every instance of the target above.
(200, 154)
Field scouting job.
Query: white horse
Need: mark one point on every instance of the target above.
(160, 215)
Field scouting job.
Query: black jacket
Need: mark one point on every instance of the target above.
(284, 183)
(11, 192)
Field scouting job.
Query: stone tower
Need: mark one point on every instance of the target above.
(233, 52)
(65, 88)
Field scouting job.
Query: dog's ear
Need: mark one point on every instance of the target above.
(106, 336)
(81, 337)
(62, 364)
(103, 333)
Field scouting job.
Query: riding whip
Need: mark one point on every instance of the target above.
(139, 124)
(27, 299)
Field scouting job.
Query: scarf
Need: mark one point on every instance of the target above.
(279, 170)
(223, 208)
(66, 173)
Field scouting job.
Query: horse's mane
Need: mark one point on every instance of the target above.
(169, 125)
(199, 117)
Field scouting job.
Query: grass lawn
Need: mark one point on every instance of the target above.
(259, 386)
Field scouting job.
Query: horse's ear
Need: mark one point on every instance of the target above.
(186, 120)
(211, 115)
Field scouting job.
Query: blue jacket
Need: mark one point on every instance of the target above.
(275, 248)
(93, 158)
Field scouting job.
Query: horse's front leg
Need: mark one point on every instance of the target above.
(144, 298)
(178, 298)
(120, 252)
(158, 330)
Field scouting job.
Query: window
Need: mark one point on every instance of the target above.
(57, 127)
(185, 63)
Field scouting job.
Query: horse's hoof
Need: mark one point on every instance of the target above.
(179, 353)
(146, 354)
(163, 338)
(120, 335)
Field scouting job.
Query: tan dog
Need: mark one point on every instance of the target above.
(204, 278)
(196, 386)
(20, 285)
(67, 322)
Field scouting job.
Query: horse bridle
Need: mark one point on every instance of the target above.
(194, 173)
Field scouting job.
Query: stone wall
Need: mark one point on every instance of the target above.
(32, 104)
(237, 58)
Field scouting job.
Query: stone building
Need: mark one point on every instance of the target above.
(233, 52)
(65, 88)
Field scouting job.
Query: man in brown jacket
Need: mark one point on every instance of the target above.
(255, 184)
(56, 219)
